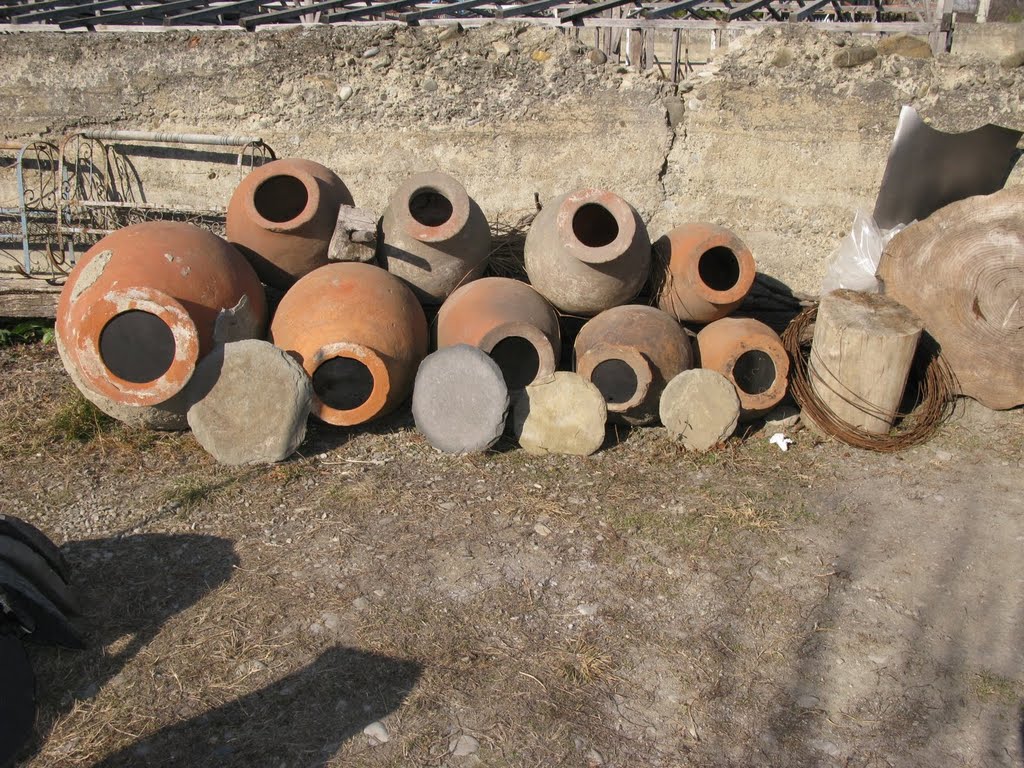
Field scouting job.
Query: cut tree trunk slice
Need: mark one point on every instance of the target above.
(961, 271)
(863, 347)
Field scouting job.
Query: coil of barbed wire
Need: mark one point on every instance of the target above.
(936, 396)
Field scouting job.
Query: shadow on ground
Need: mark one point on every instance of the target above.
(130, 587)
(282, 724)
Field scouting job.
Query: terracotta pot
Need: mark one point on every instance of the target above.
(707, 272)
(751, 356)
(588, 251)
(359, 333)
(282, 217)
(434, 236)
(140, 309)
(630, 353)
(508, 320)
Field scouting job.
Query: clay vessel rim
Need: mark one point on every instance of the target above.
(751, 401)
(439, 183)
(632, 357)
(620, 210)
(744, 259)
(378, 397)
(531, 333)
(265, 173)
(94, 371)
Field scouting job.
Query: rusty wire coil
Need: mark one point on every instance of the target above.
(936, 394)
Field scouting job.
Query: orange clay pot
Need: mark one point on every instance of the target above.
(587, 251)
(751, 356)
(630, 353)
(707, 272)
(359, 333)
(282, 217)
(434, 236)
(508, 320)
(141, 306)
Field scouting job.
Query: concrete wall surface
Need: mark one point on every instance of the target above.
(771, 139)
(992, 40)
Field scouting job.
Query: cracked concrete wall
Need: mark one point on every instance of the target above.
(771, 139)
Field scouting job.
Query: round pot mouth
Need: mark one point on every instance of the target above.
(282, 200)
(760, 377)
(351, 383)
(722, 270)
(522, 351)
(622, 374)
(431, 207)
(596, 226)
(136, 347)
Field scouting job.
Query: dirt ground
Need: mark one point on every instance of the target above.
(642, 607)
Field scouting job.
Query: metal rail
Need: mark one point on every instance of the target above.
(70, 195)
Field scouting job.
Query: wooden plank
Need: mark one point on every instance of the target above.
(369, 10)
(676, 35)
(809, 10)
(290, 13)
(649, 58)
(590, 10)
(157, 9)
(666, 10)
(853, 27)
(527, 8)
(747, 8)
(28, 297)
(214, 10)
(55, 14)
(441, 10)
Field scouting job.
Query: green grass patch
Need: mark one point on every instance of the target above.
(77, 420)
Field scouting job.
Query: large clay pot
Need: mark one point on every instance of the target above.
(282, 216)
(751, 356)
(359, 333)
(434, 236)
(706, 272)
(630, 353)
(141, 308)
(588, 251)
(508, 320)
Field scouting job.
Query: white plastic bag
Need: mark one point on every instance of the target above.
(854, 263)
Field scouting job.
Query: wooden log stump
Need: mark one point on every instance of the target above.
(961, 271)
(861, 355)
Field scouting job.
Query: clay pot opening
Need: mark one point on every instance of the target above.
(616, 380)
(343, 383)
(594, 225)
(137, 346)
(518, 359)
(430, 207)
(281, 198)
(719, 268)
(754, 372)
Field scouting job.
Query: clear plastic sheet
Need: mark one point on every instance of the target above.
(854, 263)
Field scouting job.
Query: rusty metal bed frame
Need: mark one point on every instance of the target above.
(71, 194)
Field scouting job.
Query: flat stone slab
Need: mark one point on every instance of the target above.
(249, 403)
(565, 414)
(460, 400)
(700, 408)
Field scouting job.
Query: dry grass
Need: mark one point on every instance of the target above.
(989, 686)
(646, 604)
(77, 420)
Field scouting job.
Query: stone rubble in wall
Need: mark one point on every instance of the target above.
(497, 72)
(805, 59)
